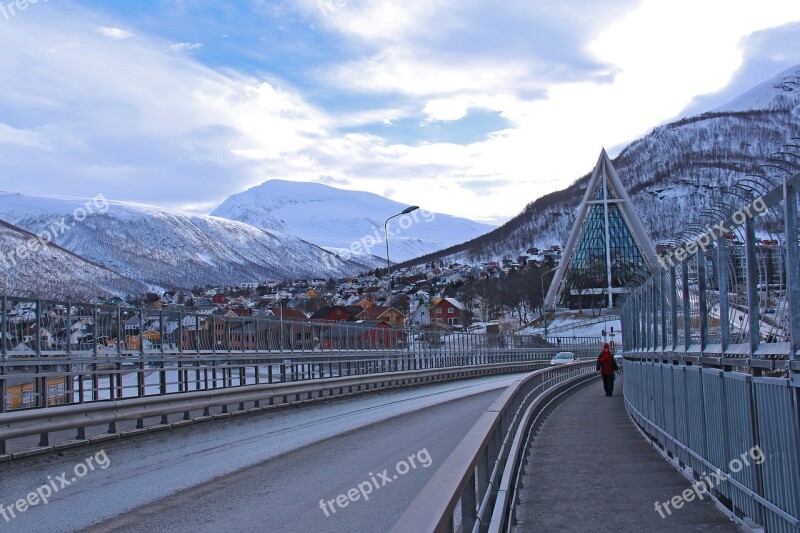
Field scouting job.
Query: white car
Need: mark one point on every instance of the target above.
(564, 358)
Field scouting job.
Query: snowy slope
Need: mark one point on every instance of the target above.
(671, 174)
(54, 272)
(171, 248)
(335, 218)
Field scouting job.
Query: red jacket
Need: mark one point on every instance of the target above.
(605, 363)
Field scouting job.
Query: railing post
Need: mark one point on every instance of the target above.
(469, 506)
(197, 333)
(38, 342)
(94, 331)
(67, 331)
(724, 293)
(662, 276)
(687, 310)
(646, 321)
(640, 318)
(792, 265)
(161, 330)
(120, 330)
(180, 333)
(654, 306)
(752, 284)
(5, 330)
(702, 299)
(141, 331)
(673, 296)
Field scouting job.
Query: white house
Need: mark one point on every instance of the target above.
(420, 317)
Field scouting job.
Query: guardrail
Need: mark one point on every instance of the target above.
(61, 353)
(196, 406)
(712, 368)
(481, 475)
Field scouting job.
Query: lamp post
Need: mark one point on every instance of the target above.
(405, 211)
(541, 286)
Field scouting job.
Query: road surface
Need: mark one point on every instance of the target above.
(266, 472)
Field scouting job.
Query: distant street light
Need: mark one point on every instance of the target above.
(541, 286)
(405, 211)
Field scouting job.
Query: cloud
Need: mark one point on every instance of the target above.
(29, 138)
(330, 180)
(115, 33)
(185, 47)
(533, 99)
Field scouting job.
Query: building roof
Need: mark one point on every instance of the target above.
(374, 313)
(289, 313)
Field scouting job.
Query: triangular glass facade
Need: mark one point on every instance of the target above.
(586, 279)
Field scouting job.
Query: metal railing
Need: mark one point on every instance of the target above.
(56, 353)
(711, 355)
(59, 354)
(475, 488)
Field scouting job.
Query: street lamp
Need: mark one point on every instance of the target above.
(405, 211)
(541, 286)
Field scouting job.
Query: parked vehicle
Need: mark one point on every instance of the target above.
(564, 358)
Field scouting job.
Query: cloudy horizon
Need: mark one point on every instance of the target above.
(465, 108)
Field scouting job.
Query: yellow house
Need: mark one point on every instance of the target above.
(365, 304)
(388, 315)
(21, 395)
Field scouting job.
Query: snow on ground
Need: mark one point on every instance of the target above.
(573, 324)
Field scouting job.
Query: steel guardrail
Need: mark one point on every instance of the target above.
(712, 359)
(78, 417)
(471, 475)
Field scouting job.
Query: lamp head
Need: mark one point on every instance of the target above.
(407, 210)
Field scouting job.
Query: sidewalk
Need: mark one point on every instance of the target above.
(589, 469)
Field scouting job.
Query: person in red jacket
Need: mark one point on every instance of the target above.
(607, 367)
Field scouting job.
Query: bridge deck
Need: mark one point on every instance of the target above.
(590, 470)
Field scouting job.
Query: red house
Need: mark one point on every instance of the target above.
(219, 299)
(336, 313)
(448, 311)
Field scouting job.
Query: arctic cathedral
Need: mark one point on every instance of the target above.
(607, 247)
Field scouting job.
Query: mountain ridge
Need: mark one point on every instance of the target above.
(331, 218)
(671, 174)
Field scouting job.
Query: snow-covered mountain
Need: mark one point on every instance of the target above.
(170, 248)
(44, 269)
(671, 174)
(336, 218)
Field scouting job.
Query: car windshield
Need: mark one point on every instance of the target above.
(564, 355)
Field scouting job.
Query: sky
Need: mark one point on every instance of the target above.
(466, 107)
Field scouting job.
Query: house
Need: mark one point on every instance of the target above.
(29, 337)
(219, 299)
(420, 317)
(389, 315)
(448, 311)
(336, 313)
(289, 313)
(380, 335)
(21, 392)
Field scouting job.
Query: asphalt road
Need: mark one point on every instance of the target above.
(266, 472)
